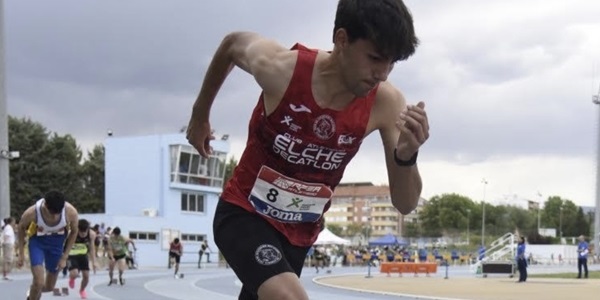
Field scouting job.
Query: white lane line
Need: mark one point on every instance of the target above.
(182, 289)
(316, 281)
(92, 292)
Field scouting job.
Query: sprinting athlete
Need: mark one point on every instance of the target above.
(315, 109)
(117, 251)
(80, 256)
(48, 223)
(175, 252)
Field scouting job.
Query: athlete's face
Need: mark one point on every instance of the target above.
(52, 212)
(363, 67)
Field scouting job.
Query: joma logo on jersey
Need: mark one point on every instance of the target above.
(294, 152)
(285, 216)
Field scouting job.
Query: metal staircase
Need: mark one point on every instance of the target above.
(502, 249)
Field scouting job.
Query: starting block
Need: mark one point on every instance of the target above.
(180, 276)
(60, 292)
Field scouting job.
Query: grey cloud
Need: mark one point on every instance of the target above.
(81, 67)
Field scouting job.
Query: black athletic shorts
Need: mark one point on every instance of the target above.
(176, 256)
(79, 262)
(122, 256)
(253, 248)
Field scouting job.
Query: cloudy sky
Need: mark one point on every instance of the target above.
(507, 83)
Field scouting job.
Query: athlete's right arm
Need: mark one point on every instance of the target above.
(252, 53)
(26, 219)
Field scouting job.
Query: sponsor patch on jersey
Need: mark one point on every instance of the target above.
(346, 139)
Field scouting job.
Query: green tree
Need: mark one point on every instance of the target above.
(446, 215)
(353, 230)
(412, 229)
(48, 161)
(93, 182)
(231, 164)
(560, 214)
(29, 138)
(335, 229)
(582, 225)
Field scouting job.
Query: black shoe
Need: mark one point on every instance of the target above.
(121, 281)
(110, 283)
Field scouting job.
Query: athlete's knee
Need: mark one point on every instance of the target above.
(38, 283)
(285, 286)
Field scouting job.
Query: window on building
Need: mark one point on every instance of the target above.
(187, 166)
(143, 236)
(191, 237)
(192, 202)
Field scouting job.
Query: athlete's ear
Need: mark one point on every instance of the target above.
(340, 38)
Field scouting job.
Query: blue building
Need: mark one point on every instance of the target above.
(158, 188)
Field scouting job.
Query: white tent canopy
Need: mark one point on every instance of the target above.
(326, 237)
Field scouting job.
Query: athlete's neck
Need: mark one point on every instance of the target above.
(49, 218)
(329, 88)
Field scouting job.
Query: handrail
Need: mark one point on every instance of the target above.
(499, 248)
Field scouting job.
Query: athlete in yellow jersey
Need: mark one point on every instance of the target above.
(47, 223)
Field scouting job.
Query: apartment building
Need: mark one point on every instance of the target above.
(370, 205)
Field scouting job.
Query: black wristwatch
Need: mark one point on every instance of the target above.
(406, 163)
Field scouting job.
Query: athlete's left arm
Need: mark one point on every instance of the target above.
(92, 249)
(403, 129)
(130, 241)
(73, 222)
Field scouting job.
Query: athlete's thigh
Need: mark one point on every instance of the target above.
(53, 250)
(251, 246)
(83, 263)
(73, 263)
(121, 264)
(36, 253)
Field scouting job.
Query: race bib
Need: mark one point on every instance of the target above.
(287, 199)
(78, 249)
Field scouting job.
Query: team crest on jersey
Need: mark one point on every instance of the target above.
(267, 255)
(324, 127)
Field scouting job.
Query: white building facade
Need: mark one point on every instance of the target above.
(158, 188)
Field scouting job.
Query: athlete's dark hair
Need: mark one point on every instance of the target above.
(116, 231)
(176, 240)
(83, 225)
(55, 201)
(386, 23)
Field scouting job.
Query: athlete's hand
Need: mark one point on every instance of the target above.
(20, 261)
(61, 263)
(414, 130)
(199, 135)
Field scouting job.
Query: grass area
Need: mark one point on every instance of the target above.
(592, 275)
